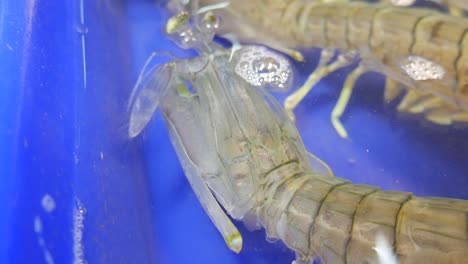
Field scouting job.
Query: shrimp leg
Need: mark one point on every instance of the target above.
(343, 101)
(325, 56)
(392, 89)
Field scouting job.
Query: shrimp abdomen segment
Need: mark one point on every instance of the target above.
(462, 66)
(393, 32)
(376, 214)
(439, 38)
(303, 210)
(360, 23)
(433, 230)
(339, 222)
(336, 27)
(331, 231)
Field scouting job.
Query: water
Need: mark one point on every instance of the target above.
(79, 190)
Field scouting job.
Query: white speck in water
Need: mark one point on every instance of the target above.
(102, 155)
(421, 69)
(48, 203)
(41, 241)
(82, 29)
(402, 2)
(37, 225)
(384, 250)
(38, 229)
(9, 47)
(367, 150)
(48, 257)
(76, 158)
(78, 218)
(25, 143)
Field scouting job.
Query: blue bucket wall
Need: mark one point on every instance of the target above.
(67, 71)
(74, 187)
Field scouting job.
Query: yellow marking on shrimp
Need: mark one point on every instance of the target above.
(234, 242)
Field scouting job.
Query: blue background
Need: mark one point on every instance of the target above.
(67, 70)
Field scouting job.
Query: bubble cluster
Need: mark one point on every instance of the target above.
(260, 66)
(421, 69)
(78, 225)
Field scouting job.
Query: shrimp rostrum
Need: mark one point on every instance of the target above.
(240, 152)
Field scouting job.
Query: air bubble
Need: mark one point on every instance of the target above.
(265, 65)
(244, 65)
(262, 67)
(421, 69)
(277, 79)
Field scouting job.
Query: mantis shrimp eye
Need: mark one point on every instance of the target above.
(191, 32)
(175, 23)
(181, 31)
(210, 22)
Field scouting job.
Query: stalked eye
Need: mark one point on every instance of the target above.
(210, 22)
(176, 22)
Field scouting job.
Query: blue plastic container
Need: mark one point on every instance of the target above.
(75, 189)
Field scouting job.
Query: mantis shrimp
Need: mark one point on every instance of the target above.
(422, 49)
(241, 153)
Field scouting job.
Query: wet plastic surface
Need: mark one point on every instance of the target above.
(73, 187)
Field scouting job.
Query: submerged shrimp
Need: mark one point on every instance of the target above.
(239, 150)
(422, 49)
